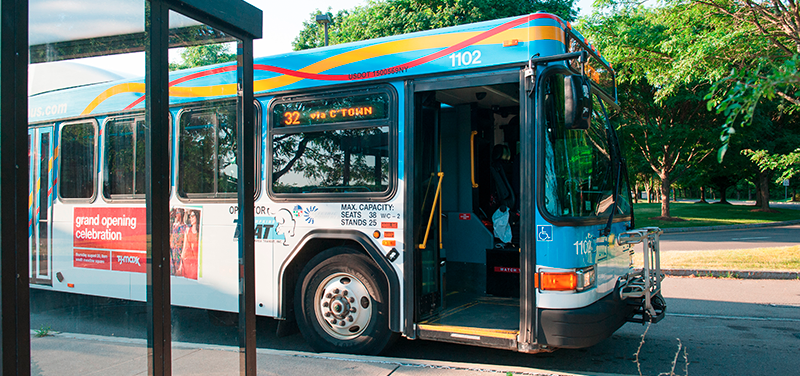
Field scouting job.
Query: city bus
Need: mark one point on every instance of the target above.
(463, 185)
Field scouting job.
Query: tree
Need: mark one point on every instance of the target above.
(773, 65)
(769, 75)
(380, 18)
(205, 54)
(663, 117)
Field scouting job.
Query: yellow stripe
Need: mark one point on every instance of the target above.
(131, 87)
(202, 91)
(504, 334)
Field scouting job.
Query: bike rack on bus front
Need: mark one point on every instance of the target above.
(645, 283)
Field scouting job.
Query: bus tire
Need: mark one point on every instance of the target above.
(341, 304)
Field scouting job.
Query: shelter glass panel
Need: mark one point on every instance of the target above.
(86, 147)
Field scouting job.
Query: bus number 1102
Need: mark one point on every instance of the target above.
(466, 58)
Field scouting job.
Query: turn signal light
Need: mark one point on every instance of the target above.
(558, 281)
(577, 280)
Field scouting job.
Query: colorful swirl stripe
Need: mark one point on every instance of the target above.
(448, 42)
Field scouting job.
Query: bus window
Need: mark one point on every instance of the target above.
(207, 152)
(124, 158)
(580, 168)
(336, 145)
(78, 147)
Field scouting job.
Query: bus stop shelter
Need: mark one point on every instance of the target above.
(29, 35)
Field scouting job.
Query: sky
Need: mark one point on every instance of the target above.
(287, 17)
(283, 20)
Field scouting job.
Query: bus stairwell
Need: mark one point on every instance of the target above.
(643, 287)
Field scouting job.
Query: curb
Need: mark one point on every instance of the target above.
(740, 274)
(729, 227)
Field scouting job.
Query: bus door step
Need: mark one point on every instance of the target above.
(498, 339)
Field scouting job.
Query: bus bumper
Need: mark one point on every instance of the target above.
(584, 327)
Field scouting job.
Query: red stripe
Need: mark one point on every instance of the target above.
(313, 76)
(203, 74)
(132, 105)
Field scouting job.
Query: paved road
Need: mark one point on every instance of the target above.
(741, 327)
(761, 237)
(746, 327)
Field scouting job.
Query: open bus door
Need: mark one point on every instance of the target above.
(40, 204)
(466, 168)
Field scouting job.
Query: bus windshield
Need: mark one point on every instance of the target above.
(581, 167)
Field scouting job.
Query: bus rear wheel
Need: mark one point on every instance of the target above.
(341, 304)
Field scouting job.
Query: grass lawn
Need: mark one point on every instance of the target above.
(773, 259)
(694, 214)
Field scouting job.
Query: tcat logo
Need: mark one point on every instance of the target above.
(271, 229)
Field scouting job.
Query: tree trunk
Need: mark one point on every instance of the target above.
(763, 189)
(703, 195)
(723, 196)
(665, 186)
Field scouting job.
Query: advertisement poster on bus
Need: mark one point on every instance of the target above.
(185, 244)
(110, 239)
(115, 239)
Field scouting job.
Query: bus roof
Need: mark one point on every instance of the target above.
(507, 41)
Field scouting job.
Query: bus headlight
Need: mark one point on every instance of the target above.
(586, 278)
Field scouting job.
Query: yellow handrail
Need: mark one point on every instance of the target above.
(472, 157)
(433, 210)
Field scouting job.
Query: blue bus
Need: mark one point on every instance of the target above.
(461, 185)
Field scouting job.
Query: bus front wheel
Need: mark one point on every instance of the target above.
(341, 304)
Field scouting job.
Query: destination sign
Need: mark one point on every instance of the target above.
(331, 110)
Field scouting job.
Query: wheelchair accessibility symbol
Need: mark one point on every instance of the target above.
(544, 233)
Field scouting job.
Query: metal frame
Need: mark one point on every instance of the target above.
(529, 317)
(14, 292)
(244, 22)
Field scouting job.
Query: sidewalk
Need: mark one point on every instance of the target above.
(66, 354)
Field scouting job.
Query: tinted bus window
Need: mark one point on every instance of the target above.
(125, 158)
(207, 152)
(77, 160)
(352, 160)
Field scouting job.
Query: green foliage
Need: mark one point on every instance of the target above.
(202, 55)
(788, 164)
(380, 18)
(674, 45)
(737, 95)
(43, 331)
(764, 69)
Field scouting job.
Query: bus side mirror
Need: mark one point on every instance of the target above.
(577, 102)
